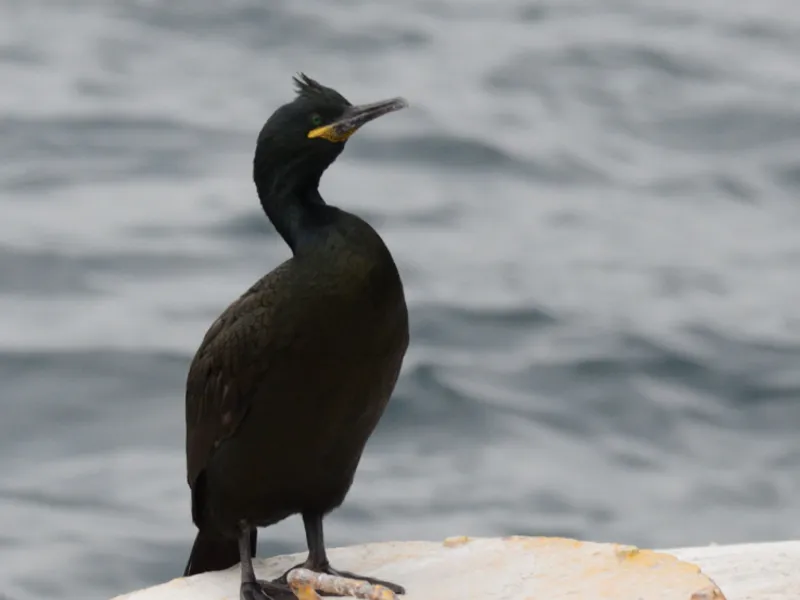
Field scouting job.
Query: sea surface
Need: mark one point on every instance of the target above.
(595, 207)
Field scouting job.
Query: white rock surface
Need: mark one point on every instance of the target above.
(537, 568)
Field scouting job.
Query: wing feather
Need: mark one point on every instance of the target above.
(226, 367)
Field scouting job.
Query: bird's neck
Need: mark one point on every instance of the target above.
(293, 204)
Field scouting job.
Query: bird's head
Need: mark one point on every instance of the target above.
(306, 135)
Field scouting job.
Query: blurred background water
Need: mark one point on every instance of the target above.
(594, 206)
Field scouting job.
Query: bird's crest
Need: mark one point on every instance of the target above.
(313, 90)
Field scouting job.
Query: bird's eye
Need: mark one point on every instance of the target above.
(316, 120)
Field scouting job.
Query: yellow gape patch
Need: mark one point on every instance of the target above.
(331, 133)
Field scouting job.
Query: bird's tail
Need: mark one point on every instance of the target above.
(212, 552)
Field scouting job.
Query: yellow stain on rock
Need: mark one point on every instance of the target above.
(455, 541)
(607, 571)
(538, 542)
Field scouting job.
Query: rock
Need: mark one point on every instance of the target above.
(538, 568)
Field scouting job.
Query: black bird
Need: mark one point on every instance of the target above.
(291, 380)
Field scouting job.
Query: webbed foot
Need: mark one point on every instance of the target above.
(265, 590)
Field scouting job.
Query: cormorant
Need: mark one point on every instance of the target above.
(290, 381)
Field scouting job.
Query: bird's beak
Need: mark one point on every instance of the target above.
(354, 117)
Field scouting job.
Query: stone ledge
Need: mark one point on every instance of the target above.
(514, 568)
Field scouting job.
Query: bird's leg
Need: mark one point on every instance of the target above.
(252, 588)
(318, 558)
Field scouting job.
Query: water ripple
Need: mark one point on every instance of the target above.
(594, 207)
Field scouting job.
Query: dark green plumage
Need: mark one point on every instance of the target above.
(291, 380)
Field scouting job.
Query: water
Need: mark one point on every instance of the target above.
(593, 206)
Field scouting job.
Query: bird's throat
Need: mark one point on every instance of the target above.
(291, 200)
